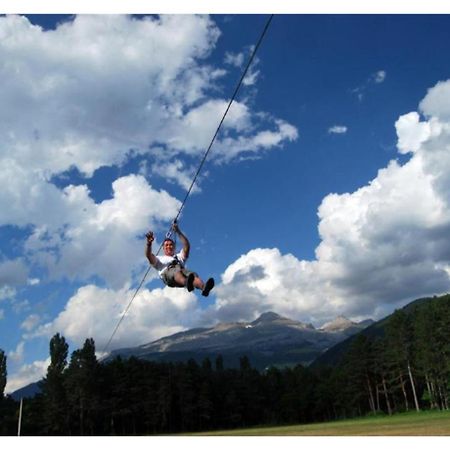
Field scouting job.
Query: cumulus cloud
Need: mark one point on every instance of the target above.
(337, 129)
(263, 280)
(89, 238)
(90, 90)
(95, 92)
(381, 246)
(411, 132)
(95, 312)
(435, 104)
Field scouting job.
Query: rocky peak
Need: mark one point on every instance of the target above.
(267, 317)
(341, 323)
(271, 318)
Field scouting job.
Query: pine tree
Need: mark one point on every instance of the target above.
(188, 395)
(54, 395)
(82, 388)
(382, 369)
(433, 350)
(400, 340)
(358, 368)
(219, 363)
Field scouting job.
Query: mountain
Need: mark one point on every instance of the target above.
(343, 325)
(270, 340)
(334, 355)
(28, 391)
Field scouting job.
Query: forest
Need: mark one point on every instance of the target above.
(404, 366)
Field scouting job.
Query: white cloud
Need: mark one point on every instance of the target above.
(177, 172)
(30, 322)
(411, 132)
(16, 355)
(337, 129)
(95, 312)
(240, 60)
(379, 76)
(381, 246)
(92, 93)
(376, 78)
(193, 132)
(103, 85)
(251, 77)
(100, 239)
(435, 104)
(263, 280)
(246, 147)
(100, 85)
(2, 314)
(7, 292)
(234, 59)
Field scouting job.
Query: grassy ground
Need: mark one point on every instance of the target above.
(429, 423)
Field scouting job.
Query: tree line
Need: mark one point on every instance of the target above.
(403, 367)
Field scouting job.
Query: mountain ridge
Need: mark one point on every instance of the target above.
(333, 356)
(271, 339)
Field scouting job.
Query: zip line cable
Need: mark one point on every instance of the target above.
(225, 114)
(168, 234)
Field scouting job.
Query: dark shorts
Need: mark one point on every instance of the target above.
(169, 274)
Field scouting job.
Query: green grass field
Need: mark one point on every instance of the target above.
(429, 423)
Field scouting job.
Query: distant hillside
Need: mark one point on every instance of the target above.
(334, 355)
(28, 391)
(270, 340)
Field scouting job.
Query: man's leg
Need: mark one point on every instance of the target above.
(204, 287)
(180, 279)
(207, 287)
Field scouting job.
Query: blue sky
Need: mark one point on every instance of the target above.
(326, 192)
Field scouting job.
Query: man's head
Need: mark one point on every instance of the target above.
(169, 247)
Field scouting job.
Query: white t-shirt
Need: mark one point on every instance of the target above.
(164, 261)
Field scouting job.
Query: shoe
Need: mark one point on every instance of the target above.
(208, 286)
(190, 282)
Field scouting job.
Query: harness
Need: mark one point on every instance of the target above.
(175, 262)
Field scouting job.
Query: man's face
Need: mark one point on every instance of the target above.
(169, 248)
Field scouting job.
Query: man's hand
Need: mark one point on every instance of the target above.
(148, 249)
(175, 227)
(150, 237)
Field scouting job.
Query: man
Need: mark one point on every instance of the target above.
(171, 266)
